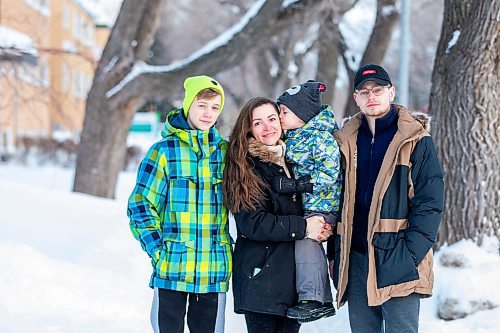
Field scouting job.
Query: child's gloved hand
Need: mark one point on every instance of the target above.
(304, 185)
(283, 184)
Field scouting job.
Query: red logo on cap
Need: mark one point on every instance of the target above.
(369, 71)
(321, 87)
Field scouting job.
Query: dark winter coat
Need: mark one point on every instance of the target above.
(264, 260)
(404, 213)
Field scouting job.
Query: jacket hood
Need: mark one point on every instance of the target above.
(268, 154)
(422, 118)
(172, 124)
(408, 122)
(176, 125)
(179, 120)
(323, 121)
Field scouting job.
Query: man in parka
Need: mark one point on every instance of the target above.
(381, 255)
(177, 214)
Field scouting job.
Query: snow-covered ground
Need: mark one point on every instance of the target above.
(70, 264)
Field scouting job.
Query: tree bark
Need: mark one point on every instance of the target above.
(464, 100)
(377, 45)
(101, 152)
(108, 116)
(329, 45)
(328, 55)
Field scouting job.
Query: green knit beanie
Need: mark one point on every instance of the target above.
(194, 84)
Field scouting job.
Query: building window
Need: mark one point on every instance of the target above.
(65, 77)
(44, 73)
(28, 74)
(85, 31)
(76, 25)
(66, 15)
(77, 87)
(40, 5)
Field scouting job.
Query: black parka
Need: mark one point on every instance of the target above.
(264, 260)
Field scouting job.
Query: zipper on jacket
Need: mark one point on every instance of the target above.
(371, 167)
(197, 214)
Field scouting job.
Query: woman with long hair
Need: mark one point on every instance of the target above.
(268, 221)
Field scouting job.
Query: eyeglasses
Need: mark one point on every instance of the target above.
(377, 91)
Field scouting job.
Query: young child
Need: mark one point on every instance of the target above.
(315, 157)
(176, 213)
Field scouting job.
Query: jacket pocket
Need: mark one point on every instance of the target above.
(182, 194)
(220, 260)
(176, 261)
(393, 260)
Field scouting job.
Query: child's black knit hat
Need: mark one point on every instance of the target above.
(304, 100)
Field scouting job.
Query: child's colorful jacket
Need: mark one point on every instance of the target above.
(314, 151)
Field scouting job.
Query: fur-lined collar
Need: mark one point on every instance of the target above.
(268, 154)
(409, 124)
(423, 118)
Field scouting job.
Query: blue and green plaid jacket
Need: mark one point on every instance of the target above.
(314, 151)
(176, 210)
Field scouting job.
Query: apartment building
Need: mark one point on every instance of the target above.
(48, 52)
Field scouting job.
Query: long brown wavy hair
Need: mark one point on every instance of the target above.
(242, 188)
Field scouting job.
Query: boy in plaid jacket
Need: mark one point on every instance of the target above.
(177, 215)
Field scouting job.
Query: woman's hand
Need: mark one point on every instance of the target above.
(315, 228)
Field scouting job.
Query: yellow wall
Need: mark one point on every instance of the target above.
(24, 109)
(69, 44)
(102, 35)
(73, 30)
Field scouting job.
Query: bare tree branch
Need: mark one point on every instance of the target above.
(267, 20)
(107, 120)
(387, 17)
(144, 38)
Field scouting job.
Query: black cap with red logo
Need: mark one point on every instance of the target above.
(371, 73)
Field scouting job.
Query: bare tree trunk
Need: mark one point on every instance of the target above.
(101, 151)
(116, 93)
(328, 55)
(330, 45)
(464, 100)
(377, 46)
